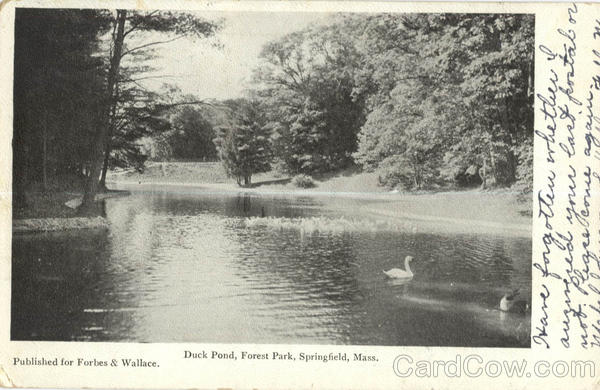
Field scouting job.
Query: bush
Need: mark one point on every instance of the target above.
(303, 181)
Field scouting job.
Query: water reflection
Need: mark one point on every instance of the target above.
(189, 267)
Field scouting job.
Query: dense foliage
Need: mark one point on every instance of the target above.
(189, 137)
(305, 87)
(425, 100)
(57, 80)
(79, 107)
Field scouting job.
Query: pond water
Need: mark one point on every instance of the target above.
(193, 266)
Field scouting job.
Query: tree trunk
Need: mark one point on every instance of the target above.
(415, 181)
(512, 162)
(102, 131)
(494, 169)
(415, 174)
(108, 149)
(45, 150)
(483, 175)
(530, 76)
(19, 172)
(102, 185)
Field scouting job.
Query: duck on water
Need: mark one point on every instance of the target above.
(508, 303)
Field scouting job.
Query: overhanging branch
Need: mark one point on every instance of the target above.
(149, 44)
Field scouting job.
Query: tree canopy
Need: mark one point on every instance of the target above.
(57, 77)
(448, 93)
(305, 88)
(424, 99)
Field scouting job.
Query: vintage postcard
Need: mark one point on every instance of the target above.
(278, 195)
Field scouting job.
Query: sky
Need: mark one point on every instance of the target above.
(203, 70)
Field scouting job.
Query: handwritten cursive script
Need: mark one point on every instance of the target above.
(567, 203)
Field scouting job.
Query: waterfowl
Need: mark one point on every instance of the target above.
(509, 303)
(397, 273)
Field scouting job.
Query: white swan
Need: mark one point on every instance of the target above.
(397, 273)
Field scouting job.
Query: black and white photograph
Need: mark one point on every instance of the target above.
(312, 178)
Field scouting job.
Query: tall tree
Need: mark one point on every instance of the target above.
(56, 84)
(244, 144)
(173, 25)
(305, 86)
(103, 129)
(472, 77)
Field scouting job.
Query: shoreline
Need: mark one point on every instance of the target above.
(46, 225)
(66, 223)
(314, 191)
(466, 212)
(458, 212)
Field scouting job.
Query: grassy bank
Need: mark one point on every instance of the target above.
(497, 209)
(213, 174)
(184, 172)
(52, 204)
(464, 211)
(46, 205)
(39, 225)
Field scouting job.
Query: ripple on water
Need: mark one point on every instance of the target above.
(209, 269)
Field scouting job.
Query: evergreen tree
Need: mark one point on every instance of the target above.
(56, 99)
(244, 145)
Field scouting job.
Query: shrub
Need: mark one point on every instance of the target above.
(303, 181)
